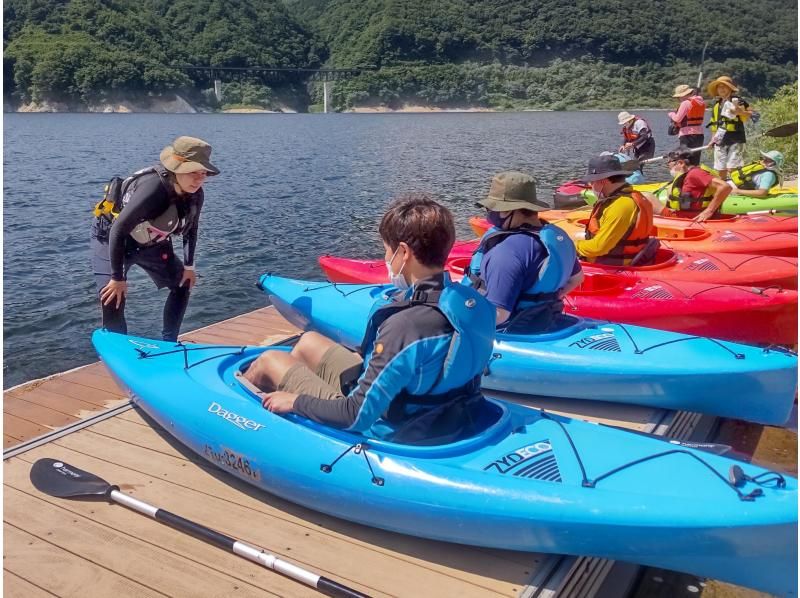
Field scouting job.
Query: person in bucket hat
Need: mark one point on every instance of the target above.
(756, 179)
(637, 136)
(688, 119)
(522, 265)
(728, 115)
(621, 221)
(134, 225)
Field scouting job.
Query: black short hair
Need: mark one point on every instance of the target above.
(422, 223)
(679, 154)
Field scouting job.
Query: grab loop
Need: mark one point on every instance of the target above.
(360, 448)
(486, 370)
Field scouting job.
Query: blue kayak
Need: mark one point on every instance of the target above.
(527, 481)
(583, 358)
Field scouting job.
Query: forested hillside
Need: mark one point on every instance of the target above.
(449, 53)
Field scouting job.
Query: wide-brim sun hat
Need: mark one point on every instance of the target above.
(603, 167)
(776, 157)
(724, 80)
(188, 154)
(681, 91)
(513, 190)
(624, 117)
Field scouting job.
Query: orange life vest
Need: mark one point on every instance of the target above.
(628, 133)
(635, 240)
(696, 114)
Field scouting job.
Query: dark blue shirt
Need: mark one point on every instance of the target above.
(511, 267)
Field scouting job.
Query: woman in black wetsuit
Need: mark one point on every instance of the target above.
(154, 204)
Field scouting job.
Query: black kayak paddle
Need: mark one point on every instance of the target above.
(62, 480)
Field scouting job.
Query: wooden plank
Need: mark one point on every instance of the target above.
(84, 392)
(21, 429)
(150, 565)
(16, 587)
(61, 571)
(9, 441)
(102, 382)
(36, 413)
(486, 571)
(57, 402)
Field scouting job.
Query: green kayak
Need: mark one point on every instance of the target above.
(733, 204)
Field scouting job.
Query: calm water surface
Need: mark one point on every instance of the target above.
(292, 187)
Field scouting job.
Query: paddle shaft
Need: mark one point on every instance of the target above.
(702, 61)
(690, 150)
(253, 553)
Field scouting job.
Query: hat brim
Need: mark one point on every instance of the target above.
(778, 167)
(590, 178)
(496, 204)
(174, 164)
(682, 95)
(712, 87)
(622, 122)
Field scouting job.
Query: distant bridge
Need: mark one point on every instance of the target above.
(272, 75)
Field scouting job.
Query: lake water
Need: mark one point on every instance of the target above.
(292, 187)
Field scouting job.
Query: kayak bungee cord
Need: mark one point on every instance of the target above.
(737, 477)
(185, 349)
(639, 351)
(357, 448)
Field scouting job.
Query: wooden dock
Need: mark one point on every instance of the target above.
(56, 547)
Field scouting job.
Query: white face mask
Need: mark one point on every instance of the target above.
(397, 280)
(597, 188)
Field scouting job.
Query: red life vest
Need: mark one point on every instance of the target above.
(696, 114)
(635, 240)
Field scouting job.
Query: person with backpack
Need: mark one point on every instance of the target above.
(134, 224)
(688, 120)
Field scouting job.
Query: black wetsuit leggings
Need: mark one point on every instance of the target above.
(163, 267)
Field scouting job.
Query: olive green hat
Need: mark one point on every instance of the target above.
(188, 154)
(512, 190)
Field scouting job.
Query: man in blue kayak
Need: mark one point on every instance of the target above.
(522, 265)
(417, 376)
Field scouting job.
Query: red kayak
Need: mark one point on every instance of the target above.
(679, 235)
(744, 314)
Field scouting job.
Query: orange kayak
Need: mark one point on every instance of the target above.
(680, 235)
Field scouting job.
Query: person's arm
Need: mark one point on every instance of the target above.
(721, 191)
(575, 279)
(683, 110)
(147, 199)
(615, 222)
(190, 234)
(376, 387)
(766, 181)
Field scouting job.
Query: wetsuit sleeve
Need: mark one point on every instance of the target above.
(644, 137)
(390, 368)
(190, 234)
(147, 198)
(614, 223)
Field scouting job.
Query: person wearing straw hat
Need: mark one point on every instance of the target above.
(621, 222)
(728, 115)
(523, 266)
(688, 119)
(756, 179)
(134, 225)
(638, 141)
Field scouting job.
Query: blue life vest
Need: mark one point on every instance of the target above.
(555, 271)
(450, 407)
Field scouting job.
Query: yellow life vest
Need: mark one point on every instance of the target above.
(718, 121)
(743, 177)
(679, 202)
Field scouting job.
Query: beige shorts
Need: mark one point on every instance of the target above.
(336, 372)
(728, 156)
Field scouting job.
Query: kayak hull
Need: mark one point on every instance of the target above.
(526, 482)
(583, 359)
(736, 313)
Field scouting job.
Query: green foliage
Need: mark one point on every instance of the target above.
(778, 110)
(247, 93)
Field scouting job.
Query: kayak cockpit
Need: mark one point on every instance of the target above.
(493, 422)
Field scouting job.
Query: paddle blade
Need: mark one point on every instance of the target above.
(62, 480)
(786, 130)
